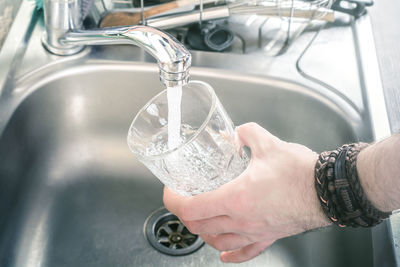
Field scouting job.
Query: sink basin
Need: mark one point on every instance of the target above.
(72, 194)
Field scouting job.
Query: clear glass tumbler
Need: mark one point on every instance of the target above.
(206, 156)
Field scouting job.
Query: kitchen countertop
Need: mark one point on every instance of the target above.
(8, 10)
(385, 21)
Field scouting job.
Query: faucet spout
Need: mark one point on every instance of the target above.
(173, 58)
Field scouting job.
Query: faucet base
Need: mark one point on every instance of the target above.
(65, 50)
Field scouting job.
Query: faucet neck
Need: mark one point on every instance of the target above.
(61, 17)
(64, 36)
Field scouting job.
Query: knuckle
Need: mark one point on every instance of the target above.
(219, 229)
(220, 245)
(247, 127)
(250, 231)
(253, 239)
(253, 125)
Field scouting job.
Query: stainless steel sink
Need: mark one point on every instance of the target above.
(75, 194)
(72, 194)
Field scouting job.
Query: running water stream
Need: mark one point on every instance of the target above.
(174, 95)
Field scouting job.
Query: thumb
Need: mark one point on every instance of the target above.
(259, 140)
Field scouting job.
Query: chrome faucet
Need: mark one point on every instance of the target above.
(64, 36)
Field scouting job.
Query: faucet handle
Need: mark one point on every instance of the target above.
(61, 17)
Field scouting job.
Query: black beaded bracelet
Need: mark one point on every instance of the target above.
(339, 190)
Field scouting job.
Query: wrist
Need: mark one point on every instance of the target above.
(369, 171)
(317, 216)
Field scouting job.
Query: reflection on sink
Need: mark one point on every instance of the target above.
(73, 195)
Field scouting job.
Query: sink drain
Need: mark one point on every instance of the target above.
(168, 235)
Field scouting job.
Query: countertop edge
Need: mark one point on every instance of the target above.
(385, 21)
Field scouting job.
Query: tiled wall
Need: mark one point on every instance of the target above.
(8, 10)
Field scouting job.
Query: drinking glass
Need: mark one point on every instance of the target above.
(206, 156)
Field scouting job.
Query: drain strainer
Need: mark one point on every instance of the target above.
(168, 235)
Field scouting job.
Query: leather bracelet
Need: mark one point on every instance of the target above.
(339, 190)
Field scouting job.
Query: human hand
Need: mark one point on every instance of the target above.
(273, 198)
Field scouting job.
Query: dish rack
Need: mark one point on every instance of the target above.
(278, 22)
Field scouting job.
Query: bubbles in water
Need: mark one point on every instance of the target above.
(152, 110)
(196, 167)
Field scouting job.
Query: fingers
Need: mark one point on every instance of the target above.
(255, 137)
(216, 225)
(203, 206)
(226, 242)
(245, 253)
(173, 201)
(236, 248)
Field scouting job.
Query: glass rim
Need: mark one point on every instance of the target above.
(210, 90)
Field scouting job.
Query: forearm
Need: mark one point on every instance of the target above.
(378, 168)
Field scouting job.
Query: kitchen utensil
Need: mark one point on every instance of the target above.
(356, 8)
(122, 18)
(315, 9)
(132, 18)
(308, 9)
(209, 36)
